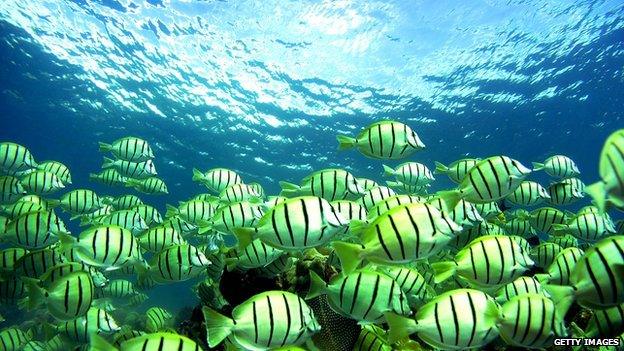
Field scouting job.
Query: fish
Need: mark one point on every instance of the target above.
(413, 285)
(15, 158)
(230, 216)
(109, 176)
(259, 324)
(403, 234)
(520, 286)
(67, 298)
(388, 140)
(146, 342)
(240, 192)
(159, 238)
(175, 263)
(363, 295)
(528, 193)
(127, 219)
(300, 222)
(62, 269)
(329, 184)
(119, 289)
(412, 173)
(34, 230)
(79, 201)
(455, 320)
(457, 170)
(11, 190)
(255, 255)
(129, 169)
(564, 241)
(558, 166)
(12, 289)
(96, 321)
(544, 254)
(194, 211)
(564, 193)
(607, 323)
(57, 168)
(532, 321)
(558, 272)
(488, 261)
(157, 318)
(611, 170)
(42, 183)
(487, 210)
(36, 262)
(124, 202)
(217, 179)
(389, 203)
(543, 218)
(9, 256)
(372, 338)
(13, 338)
(129, 149)
(373, 196)
(149, 185)
(149, 214)
(589, 227)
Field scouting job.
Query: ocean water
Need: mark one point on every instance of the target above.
(264, 87)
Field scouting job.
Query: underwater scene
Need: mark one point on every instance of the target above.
(311, 175)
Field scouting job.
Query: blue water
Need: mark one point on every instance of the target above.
(263, 87)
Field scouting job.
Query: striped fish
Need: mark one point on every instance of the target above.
(389, 203)
(595, 281)
(158, 238)
(456, 320)
(35, 199)
(119, 289)
(56, 343)
(62, 269)
(544, 254)
(329, 184)
(125, 202)
(468, 235)
(149, 214)
(373, 196)
(80, 329)
(611, 169)
(412, 173)
(520, 286)
(558, 166)
(209, 294)
(11, 190)
(109, 176)
(9, 256)
(42, 182)
(300, 222)
(464, 214)
(564, 241)
(349, 210)
(149, 185)
(575, 183)
(559, 271)
(239, 192)
(528, 193)
(589, 227)
(128, 169)
(194, 211)
(176, 263)
(265, 321)
(129, 148)
(457, 170)
(255, 255)
(20, 208)
(230, 216)
(282, 264)
(257, 187)
(34, 230)
(127, 219)
(389, 140)
(80, 201)
(413, 285)
(542, 219)
(363, 295)
(67, 298)
(564, 194)
(216, 179)
(34, 345)
(532, 321)
(181, 226)
(137, 299)
(106, 246)
(488, 210)
(134, 341)
(489, 180)
(12, 289)
(35, 263)
(366, 184)
(157, 318)
(13, 338)
(372, 338)
(126, 333)
(15, 158)
(490, 261)
(607, 323)
(519, 226)
(403, 234)
(59, 169)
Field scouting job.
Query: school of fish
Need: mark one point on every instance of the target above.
(496, 261)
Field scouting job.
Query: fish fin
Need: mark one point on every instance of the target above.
(389, 171)
(538, 166)
(36, 295)
(198, 176)
(400, 326)
(245, 236)
(492, 312)
(131, 183)
(52, 203)
(350, 255)
(85, 221)
(93, 176)
(204, 227)
(440, 168)
(108, 162)
(317, 286)
(171, 211)
(104, 147)
(392, 184)
(559, 228)
(98, 343)
(450, 197)
(562, 295)
(357, 227)
(67, 241)
(443, 270)
(218, 326)
(289, 189)
(598, 192)
(577, 332)
(542, 278)
(345, 142)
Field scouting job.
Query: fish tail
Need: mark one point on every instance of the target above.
(289, 189)
(245, 236)
(67, 241)
(104, 147)
(132, 183)
(598, 193)
(98, 343)
(345, 142)
(52, 203)
(36, 295)
(108, 162)
(317, 286)
(93, 176)
(218, 326)
(440, 168)
(350, 255)
(198, 176)
(538, 166)
(562, 296)
(171, 211)
(450, 197)
(400, 327)
(389, 171)
(559, 229)
(443, 270)
(204, 228)
(542, 278)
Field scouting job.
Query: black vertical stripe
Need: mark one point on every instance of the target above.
(271, 322)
